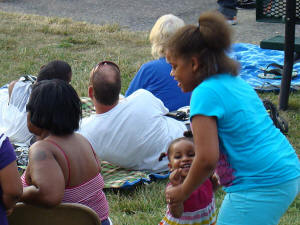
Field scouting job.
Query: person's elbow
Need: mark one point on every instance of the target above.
(209, 161)
(43, 196)
(50, 202)
(50, 199)
(212, 162)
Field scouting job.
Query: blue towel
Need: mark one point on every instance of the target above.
(251, 58)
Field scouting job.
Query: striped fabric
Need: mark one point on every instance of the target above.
(199, 208)
(204, 216)
(89, 193)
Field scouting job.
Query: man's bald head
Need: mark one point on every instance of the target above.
(106, 82)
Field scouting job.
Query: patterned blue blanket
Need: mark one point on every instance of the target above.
(252, 58)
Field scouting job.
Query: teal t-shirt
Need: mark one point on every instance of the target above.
(253, 152)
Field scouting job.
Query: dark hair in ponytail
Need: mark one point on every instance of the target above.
(209, 42)
(162, 155)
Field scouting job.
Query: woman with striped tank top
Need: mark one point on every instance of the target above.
(62, 164)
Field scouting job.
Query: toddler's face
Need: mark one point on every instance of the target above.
(182, 156)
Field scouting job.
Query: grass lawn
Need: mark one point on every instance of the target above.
(27, 42)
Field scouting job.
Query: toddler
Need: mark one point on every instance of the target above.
(199, 208)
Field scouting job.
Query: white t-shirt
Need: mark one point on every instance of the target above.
(134, 133)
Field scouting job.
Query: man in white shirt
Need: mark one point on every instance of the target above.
(133, 132)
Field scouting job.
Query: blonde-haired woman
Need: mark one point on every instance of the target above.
(154, 76)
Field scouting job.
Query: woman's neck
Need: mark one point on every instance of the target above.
(42, 135)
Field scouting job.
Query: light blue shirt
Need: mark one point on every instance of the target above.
(253, 152)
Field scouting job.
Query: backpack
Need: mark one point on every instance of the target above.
(278, 121)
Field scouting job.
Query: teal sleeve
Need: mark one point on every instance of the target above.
(207, 102)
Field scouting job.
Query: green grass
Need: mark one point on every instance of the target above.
(27, 42)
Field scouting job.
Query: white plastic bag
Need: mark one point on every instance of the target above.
(13, 116)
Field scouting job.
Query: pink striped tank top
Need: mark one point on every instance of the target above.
(89, 193)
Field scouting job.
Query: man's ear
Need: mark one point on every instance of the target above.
(91, 91)
(195, 64)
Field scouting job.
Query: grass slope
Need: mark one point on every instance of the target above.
(27, 42)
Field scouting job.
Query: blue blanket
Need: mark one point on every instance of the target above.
(252, 58)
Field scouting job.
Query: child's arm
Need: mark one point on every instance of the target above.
(176, 209)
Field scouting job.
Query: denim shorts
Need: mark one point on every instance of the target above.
(258, 206)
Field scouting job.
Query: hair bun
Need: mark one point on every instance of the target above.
(215, 30)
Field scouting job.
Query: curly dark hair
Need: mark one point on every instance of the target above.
(209, 42)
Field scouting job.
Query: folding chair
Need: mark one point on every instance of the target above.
(63, 214)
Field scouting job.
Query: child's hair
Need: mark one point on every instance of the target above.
(209, 42)
(188, 136)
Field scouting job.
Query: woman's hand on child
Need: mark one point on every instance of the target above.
(175, 177)
(175, 194)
